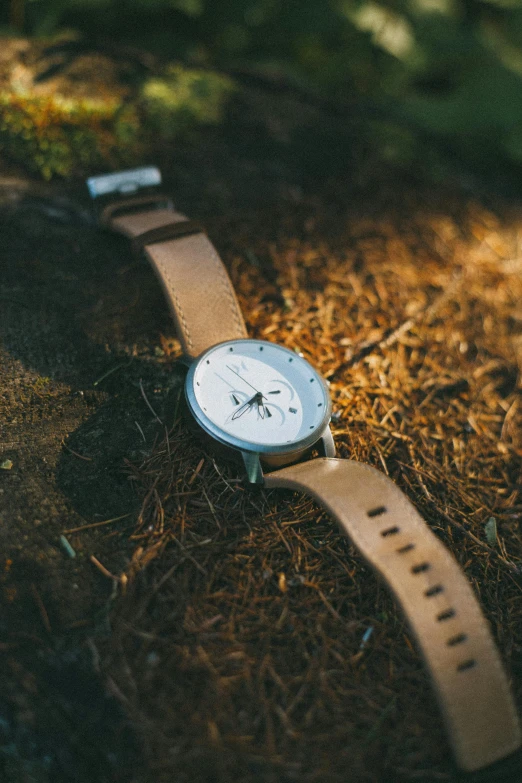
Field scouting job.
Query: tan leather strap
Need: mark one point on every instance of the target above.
(441, 608)
(180, 228)
(196, 284)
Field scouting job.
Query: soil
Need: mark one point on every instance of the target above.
(87, 348)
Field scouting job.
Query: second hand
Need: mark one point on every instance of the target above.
(245, 381)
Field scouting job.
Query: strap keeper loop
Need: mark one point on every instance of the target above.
(132, 204)
(181, 228)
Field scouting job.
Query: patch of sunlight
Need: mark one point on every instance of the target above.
(189, 7)
(509, 55)
(444, 7)
(388, 29)
(182, 98)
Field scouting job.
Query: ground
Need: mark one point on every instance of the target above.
(160, 619)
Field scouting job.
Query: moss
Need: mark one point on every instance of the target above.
(53, 135)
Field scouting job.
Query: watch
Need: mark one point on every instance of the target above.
(270, 407)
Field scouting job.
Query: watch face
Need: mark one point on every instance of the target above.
(258, 396)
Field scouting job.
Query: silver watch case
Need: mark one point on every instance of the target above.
(246, 447)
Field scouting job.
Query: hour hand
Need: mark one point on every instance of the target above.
(244, 408)
(240, 411)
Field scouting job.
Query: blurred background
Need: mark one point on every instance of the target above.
(442, 74)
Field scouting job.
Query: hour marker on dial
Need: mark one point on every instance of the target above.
(292, 410)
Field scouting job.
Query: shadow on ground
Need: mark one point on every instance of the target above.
(69, 405)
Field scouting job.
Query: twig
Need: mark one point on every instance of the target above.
(110, 372)
(149, 406)
(80, 456)
(95, 524)
(394, 336)
(458, 525)
(374, 731)
(95, 655)
(41, 607)
(189, 556)
(102, 568)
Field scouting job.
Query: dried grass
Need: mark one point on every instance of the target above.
(242, 649)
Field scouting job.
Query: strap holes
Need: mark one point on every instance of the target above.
(376, 512)
(460, 638)
(406, 548)
(418, 569)
(469, 664)
(435, 590)
(446, 615)
(391, 531)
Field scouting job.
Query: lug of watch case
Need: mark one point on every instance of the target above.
(326, 444)
(324, 447)
(253, 468)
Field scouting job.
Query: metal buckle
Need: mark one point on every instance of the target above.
(106, 190)
(123, 183)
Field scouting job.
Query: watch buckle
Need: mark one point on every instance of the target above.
(136, 188)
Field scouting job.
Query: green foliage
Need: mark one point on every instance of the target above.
(184, 98)
(53, 136)
(450, 68)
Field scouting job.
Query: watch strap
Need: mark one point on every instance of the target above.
(195, 282)
(441, 608)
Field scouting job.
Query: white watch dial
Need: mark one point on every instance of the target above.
(258, 395)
